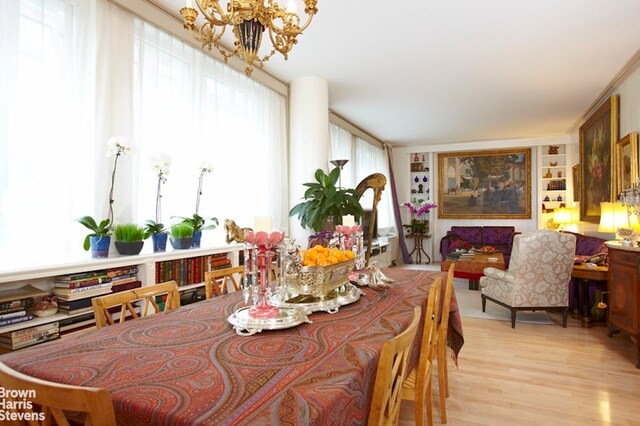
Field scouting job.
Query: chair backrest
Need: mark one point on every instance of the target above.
(391, 372)
(125, 300)
(541, 264)
(57, 400)
(443, 323)
(429, 334)
(215, 281)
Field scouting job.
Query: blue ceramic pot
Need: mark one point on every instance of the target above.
(197, 235)
(99, 246)
(159, 241)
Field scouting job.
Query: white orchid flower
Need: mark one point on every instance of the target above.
(119, 145)
(161, 163)
(205, 168)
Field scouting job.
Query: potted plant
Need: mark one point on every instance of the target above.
(100, 237)
(323, 200)
(198, 224)
(158, 235)
(129, 238)
(181, 236)
(154, 228)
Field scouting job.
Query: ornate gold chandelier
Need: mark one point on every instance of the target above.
(249, 19)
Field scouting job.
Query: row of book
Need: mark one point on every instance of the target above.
(190, 270)
(29, 336)
(16, 304)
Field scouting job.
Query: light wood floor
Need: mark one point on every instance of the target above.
(540, 375)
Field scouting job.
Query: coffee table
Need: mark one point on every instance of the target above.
(473, 268)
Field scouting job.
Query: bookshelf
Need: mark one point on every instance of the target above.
(553, 182)
(43, 276)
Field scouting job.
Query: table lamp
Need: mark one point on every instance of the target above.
(614, 219)
(563, 216)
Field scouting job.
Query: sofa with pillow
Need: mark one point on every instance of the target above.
(499, 237)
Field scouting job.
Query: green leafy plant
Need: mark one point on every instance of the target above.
(323, 199)
(152, 227)
(198, 223)
(129, 232)
(182, 230)
(102, 229)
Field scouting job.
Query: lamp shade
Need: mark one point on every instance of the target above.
(563, 216)
(612, 217)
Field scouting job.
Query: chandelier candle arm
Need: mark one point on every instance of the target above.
(249, 19)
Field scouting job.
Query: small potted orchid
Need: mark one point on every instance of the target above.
(160, 164)
(197, 222)
(99, 239)
(418, 224)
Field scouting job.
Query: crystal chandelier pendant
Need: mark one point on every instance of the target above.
(249, 34)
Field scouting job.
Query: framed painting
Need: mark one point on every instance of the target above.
(598, 137)
(576, 182)
(627, 161)
(485, 184)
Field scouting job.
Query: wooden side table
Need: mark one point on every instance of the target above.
(583, 275)
(418, 248)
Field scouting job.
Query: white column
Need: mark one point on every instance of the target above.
(309, 141)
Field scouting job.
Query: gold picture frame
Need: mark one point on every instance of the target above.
(627, 161)
(576, 182)
(598, 137)
(485, 184)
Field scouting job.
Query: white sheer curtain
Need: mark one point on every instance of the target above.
(195, 109)
(371, 159)
(342, 149)
(73, 73)
(45, 126)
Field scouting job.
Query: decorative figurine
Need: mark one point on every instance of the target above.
(553, 150)
(559, 173)
(420, 190)
(234, 232)
(415, 158)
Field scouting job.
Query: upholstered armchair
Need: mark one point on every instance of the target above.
(538, 275)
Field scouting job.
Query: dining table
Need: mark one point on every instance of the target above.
(189, 366)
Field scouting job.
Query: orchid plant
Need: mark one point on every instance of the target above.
(117, 146)
(160, 163)
(197, 222)
(418, 225)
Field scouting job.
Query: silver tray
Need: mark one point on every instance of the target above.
(330, 304)
(247, 326)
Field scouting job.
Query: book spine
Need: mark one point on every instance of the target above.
(14, 305)
(81, 276)
(80, 284)
(34, 335)
(29, 330)
(82, 289)
(10, 321)
(16, 314)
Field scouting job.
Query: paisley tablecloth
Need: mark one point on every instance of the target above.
(189, 367)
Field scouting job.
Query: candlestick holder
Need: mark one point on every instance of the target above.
(264, 244)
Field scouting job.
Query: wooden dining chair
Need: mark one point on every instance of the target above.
(417, 386)
(58, 403)
(391, 372)
(215, 281)
(441, 345)
(125, 300)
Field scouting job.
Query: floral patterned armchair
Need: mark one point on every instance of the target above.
(538, 276)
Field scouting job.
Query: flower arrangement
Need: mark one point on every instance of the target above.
(418, 225)
(204, 168)
(460, 245)
(419, 209)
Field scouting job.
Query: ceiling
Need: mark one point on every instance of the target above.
(422, 72)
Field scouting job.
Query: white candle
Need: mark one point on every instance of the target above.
(262, 223)
(348, 220)
(190, 3)
(292, 7)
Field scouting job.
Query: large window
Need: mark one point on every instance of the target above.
(73, 73)
(364, 159)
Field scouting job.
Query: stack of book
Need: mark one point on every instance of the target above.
(29, 336)
(460, 255)
(15, 304)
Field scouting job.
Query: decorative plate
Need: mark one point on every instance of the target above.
(245, 325)
(331, 304)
